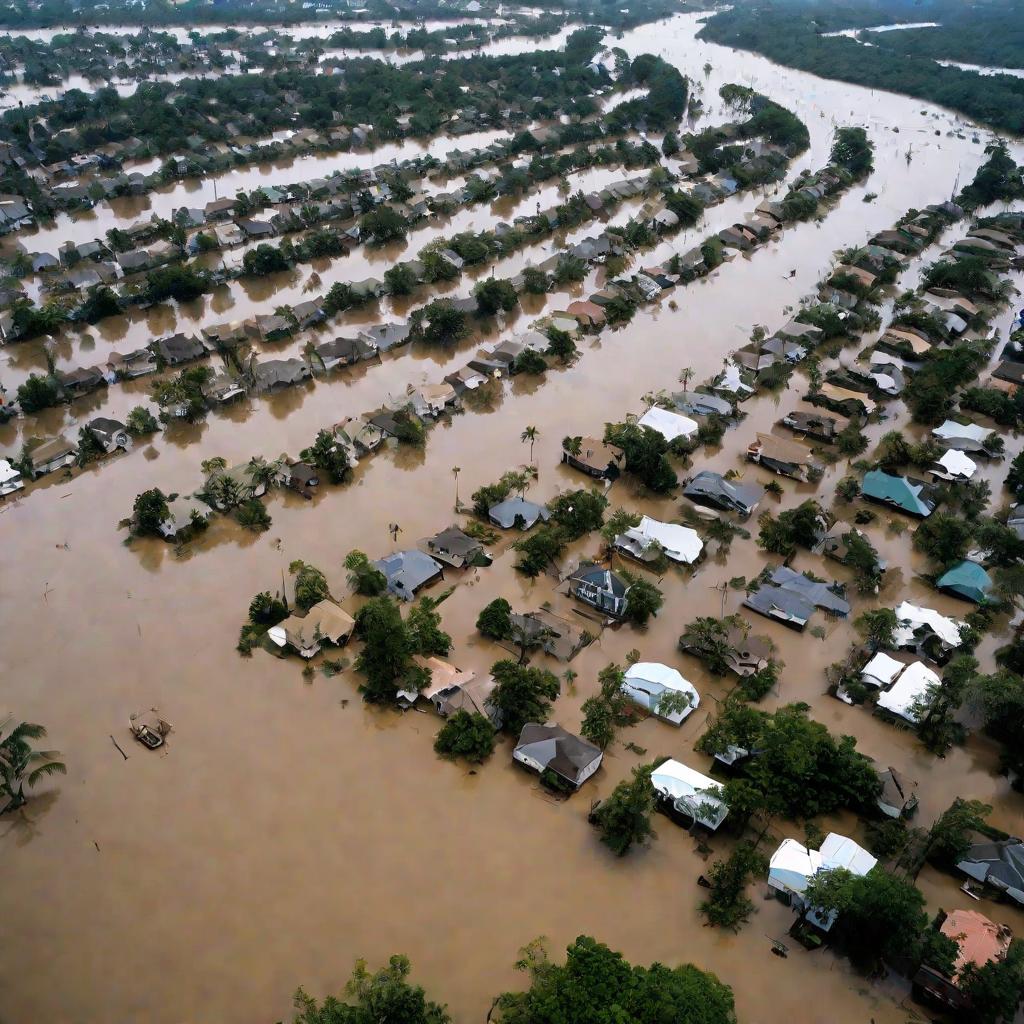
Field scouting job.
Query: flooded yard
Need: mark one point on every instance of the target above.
(287, 828)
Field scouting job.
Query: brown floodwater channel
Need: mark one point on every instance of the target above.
(287, 829)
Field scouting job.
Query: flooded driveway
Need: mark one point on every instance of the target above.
(287, 829)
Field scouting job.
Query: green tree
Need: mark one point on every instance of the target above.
(385, 997)
(880, 916)
(382, 225)
(878, 627)
(140, 421)
(598, 986)
(624, 818)
(561, 345)
(363, 576)
(386, 657)
(445, 324)
(38, 393)
(267, 610)
(399, 279)
(952, 834)
(530, 435)
(424, 626)
(994, 991)
(495, 295)
(578, 512)
(465, 735)
(495, 620)
(728, 905)
(535, 282)
(798, 527)
(522, 694)
(149, 512)
(645, 453)
(310, 585)
(253, 515)
(328, 456)
(935, 710)
(643, 598)
(539, 550)
(21, 765)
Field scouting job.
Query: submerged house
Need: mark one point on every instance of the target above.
(517, 512)
(792, 598)
(648, 683)
(554, 635)
(979, 941)
(183, 514)
(689, 794)
(967, 580)
(926, 631)
(110, 434)
(671, 425)
(600, 588)
(999, 865)
(305, 634)
(911, 687)
(788, 458)
(793, 865)
(408, 571)
(595, 458)
(898, 798)
(50, 455)
(456, 548)
(714, 491)
(905, 494)
(648, 540)
(451, 690)
(549, 748)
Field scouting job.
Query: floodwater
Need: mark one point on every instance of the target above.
(286, 829)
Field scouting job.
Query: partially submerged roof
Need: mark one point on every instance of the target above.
(324, 621)
(669, 424)
(553, 748)
(999, 864)
(407, 571)
(910, 687)
(711, 485)
(967, 580)
(914, 623)
(680, 543)
(979, 940)
(506, 513)
(690, 793)
(906, 493)
(647, 682)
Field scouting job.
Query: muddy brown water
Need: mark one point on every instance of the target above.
(286, 829)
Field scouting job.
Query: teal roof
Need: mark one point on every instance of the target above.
(896, 490)
(968, 580)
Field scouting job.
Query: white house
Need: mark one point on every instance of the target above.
(680, 543)
(647, 682)
(913, 623)
(910, 687)
(10, 479)
(690, 793)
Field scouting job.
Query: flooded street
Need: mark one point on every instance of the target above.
(286, 828)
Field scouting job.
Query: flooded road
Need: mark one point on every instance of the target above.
(287, 829)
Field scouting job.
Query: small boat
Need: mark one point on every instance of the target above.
(149, 728)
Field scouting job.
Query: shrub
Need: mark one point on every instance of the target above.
(465, 735)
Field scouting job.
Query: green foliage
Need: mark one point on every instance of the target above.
(38, 393)
(643, 598)
(529, 362)
(253, 515)
(386, 657)
(522, 694)
(535, 282)
(598, 986)
(995, 989)
(149, 512)
(465, 735)
(185, 392)
(935, 710)
(140, 421)
(444, 324)
(727, 905)
(385, 997)
(569, 269)
(930, 393)
(382, 225)
(953, 832)
(326, 455)
(578, 513)
(539, 550)
(1000, 697)
(880, 916)
(793, 528)
(182, 282)
(364, 577)
(645, 454)
(495, 295)
(494, 620)
(878, 627)
(310, 585)
(21, 765)
(706, 637)
(424, 628)
(624, 818)
(267, 610)
(561, 346)
(852, 149)
(399, 279)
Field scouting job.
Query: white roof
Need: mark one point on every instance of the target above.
(910, 687)
(951, 429)
(881, 670)
(792, 865)
(692, 790)
(955, 463)
(910, 617)
(7, 472)
(680, 543)
(669, 424)
(646, 681)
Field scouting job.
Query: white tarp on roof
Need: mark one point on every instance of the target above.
(911, 617)
(881, 670)
(669, 424)
(841, 852)
(691, 792)
(679, 543)
(646, 682)
(910, 687)
(791, 866)
(951, 429)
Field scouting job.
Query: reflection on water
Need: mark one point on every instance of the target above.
(295, 829)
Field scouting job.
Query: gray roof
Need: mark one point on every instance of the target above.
(505, 513)
(603, 579)
(999, 864)
(818, 594)
(407, 571)
(560, 751)
(708, 484)
(777, 603)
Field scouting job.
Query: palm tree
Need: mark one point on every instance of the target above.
(262, 474)
(313, 357)
(572, 445)
(456, 470)
(530, 434)
(215, 465)
(21, 766)
(684, 377)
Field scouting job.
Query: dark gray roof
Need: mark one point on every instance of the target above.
(1000, 864)
(603, 579)
(560, 751)
(714, 486)
(505, 513)
(407, 571)
(777, 603)
(818, 594)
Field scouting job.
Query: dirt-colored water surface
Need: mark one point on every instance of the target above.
(286, 829)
